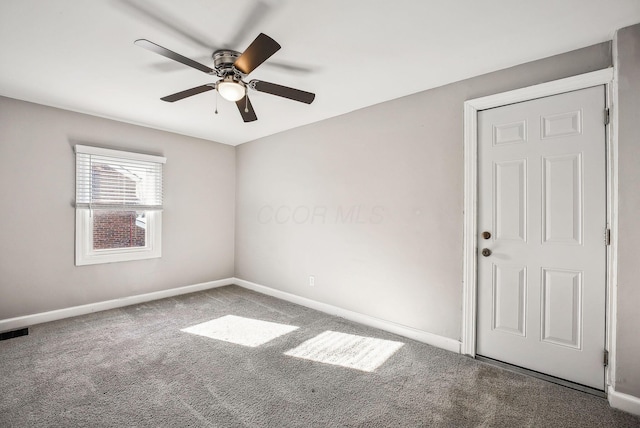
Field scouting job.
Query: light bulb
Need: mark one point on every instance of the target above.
(231, 90)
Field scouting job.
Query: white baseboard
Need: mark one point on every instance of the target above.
(401, 330)
(618, 400)
(28, 320)
(624, 402)
(412, 333)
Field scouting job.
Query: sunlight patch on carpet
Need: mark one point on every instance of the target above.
(346, 350)
(240, 330)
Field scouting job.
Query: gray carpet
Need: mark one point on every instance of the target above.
(133, 367)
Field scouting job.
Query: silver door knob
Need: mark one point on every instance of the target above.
(486, 252)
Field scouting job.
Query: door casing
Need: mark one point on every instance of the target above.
(471, 108)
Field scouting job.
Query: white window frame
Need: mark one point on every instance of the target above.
(84, 251)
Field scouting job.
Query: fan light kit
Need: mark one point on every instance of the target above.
(233, 67)
(231, 90)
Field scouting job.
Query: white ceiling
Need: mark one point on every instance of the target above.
(79, 55)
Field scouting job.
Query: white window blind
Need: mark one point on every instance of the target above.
(112, 179)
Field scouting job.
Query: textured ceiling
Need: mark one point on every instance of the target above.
(79, 55)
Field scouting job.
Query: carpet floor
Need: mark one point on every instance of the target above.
(136, 367)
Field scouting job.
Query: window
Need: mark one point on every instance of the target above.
(118, 205)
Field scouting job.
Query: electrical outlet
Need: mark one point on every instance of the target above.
(312, 281)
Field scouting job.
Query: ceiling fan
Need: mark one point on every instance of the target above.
(232, 68)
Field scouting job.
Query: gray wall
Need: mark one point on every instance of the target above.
(37, 180)
(397, 167)
(628, 321)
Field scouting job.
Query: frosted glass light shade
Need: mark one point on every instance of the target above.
(230, 90)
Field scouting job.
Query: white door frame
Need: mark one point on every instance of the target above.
(471, 108)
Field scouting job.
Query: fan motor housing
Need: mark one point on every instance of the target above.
(223, 60)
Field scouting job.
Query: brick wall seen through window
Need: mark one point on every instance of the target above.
(118, 229)
(111, 228)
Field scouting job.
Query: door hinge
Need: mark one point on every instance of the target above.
(606, 116)
(605, 358)
(607, 236)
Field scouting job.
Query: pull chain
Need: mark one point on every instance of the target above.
(216, 98)
(246, 101)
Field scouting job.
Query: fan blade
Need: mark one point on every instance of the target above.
(166, 66)
(159, 16)
(295, 68)
(249, 115)
(144, 43)
(171, 66)
(283, 91)
(257, 13)
(188, 93)
(258, 52)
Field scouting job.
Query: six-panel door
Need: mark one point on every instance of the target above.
(542, 196)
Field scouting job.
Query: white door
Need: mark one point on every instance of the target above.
(542, 198)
